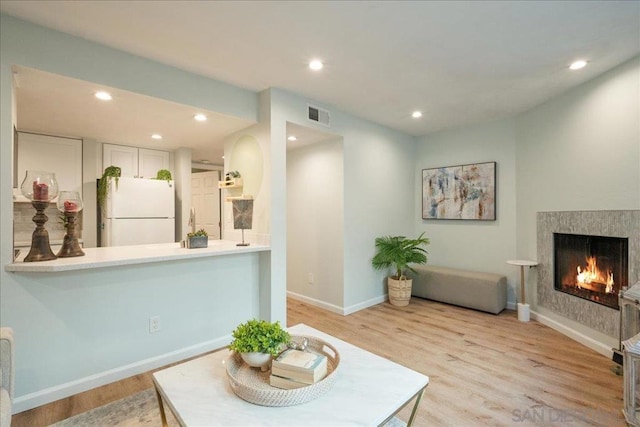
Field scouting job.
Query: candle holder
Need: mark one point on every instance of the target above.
(70, 203)
(40, 187)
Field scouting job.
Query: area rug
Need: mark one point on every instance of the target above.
(140, 409)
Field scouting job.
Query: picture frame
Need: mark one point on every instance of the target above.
(466, 192)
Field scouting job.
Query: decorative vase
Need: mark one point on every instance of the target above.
(399, 291)
(257, 360)
(69, 204)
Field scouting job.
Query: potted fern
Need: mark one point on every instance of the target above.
(258, 340)
(398, 252)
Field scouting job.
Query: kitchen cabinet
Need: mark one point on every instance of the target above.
(133, 161)
(126, 158)
(151, 161)
(63, 156)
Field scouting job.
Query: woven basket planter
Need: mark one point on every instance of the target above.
(253, 385)
(399, 291)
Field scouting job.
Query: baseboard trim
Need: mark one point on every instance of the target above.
(511, 305)
(589, 342)
(365, 304)
(316, 302)
(336, 308)
(48, 395)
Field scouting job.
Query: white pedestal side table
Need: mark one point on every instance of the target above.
(523, 307)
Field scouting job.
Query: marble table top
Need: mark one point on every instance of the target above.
(368, 390)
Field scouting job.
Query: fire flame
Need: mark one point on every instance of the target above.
(592, 274)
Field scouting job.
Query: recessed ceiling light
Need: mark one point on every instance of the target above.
(416, 114)
(105, 96)
(200, 117)
(316, 65)
(156, 136)
(578, 64)
(292, 138)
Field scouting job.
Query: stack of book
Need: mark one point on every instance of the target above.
(295, 368)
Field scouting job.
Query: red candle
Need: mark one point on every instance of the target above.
(40, 191)
(70, 206)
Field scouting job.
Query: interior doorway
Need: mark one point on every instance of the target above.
(315, 216)
(205, 203)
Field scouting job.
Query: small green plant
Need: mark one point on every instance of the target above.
(103, 184)
(398, 252)
(259, 336)
(164, 174)
(231, 174)
(62, 218)
(200, 233)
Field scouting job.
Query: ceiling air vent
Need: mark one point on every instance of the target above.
(318, 115)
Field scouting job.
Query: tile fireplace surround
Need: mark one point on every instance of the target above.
(596, 223)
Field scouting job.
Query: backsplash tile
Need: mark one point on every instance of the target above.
(23, 224)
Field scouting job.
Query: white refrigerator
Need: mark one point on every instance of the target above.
(137, 212)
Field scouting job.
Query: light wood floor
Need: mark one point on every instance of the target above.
(483, 369)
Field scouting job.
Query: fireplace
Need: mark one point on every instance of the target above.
(593, 316)
(594, 268)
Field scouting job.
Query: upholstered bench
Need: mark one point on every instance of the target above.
(471, 289)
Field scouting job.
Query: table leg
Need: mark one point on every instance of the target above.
(414, 411)
(522, 293)
(163, 417)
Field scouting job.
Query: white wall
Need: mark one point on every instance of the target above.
(79, 330)
(315, 212)
(378, 191)
(579, 151)
(473, 245)
(182, 178)
(247, 152)
(91, 170)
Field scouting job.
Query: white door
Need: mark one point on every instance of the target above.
(205, 199)
(151, 161)
(126, 158)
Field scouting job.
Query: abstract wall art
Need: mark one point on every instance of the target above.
(460, 192)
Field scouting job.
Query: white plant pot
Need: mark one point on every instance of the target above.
(523, 312)
(257, 360)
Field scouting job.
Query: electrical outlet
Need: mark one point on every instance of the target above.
(310, 279)
(154, 324)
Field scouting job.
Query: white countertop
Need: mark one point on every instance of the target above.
(127, 255)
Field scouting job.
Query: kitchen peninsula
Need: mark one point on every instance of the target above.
(116, 256)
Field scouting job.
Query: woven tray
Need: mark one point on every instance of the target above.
(253, 385)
